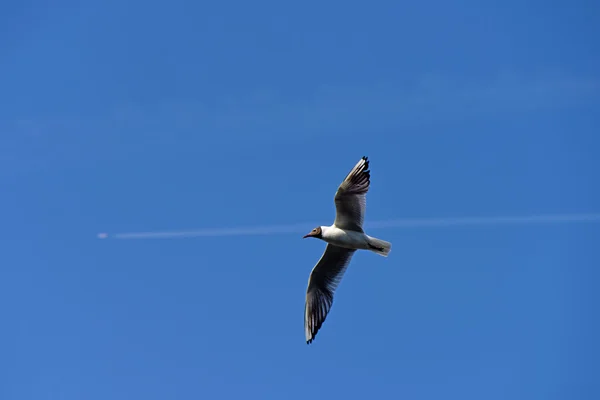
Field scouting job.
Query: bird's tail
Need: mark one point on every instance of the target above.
(379, 246)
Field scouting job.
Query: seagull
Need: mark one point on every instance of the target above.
(343, 238)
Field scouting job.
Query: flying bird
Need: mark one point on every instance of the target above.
(343, 238)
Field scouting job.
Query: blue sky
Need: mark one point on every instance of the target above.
(142, 116)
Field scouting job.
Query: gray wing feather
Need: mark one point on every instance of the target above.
(351, 197)
(324, 280)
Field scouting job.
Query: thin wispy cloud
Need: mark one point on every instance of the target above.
(393, 223)
(272, 115)
(325, 108)
(384, 105)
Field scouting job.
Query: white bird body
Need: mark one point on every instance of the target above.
(348, 239)
(343, 238)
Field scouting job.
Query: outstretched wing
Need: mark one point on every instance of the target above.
(351, 197)
(324, 280)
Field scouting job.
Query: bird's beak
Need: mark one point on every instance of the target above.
(305, 236)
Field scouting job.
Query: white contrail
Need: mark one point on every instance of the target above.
(395, 223)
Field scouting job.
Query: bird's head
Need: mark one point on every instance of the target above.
(316, 233)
